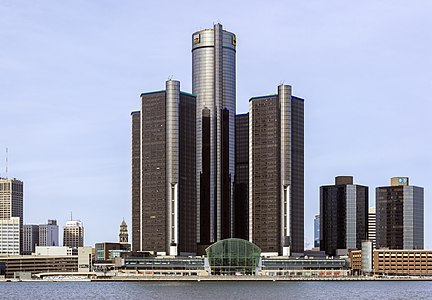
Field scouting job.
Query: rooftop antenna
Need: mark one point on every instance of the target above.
(282, 82)
(170, 77)
(7, 160)
(71, 215)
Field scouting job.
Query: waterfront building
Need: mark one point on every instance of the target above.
(214, 84)
(30, 238)
(73, 234)
(343, 216)
(49, 234)
(164, 201)
(276, 172)
(53, 265)
(236, 257)
(395, 262)
(366, 256)
(372, 225)
(104, 251)
(317, 231)
(55, 250)
(241, 179)
(36, 264)
(123, 235)
(11, 207)
(85, 259)
(400, 215)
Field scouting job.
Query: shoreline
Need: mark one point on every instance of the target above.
(219, 279)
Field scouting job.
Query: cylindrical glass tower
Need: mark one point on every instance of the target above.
(214, 84)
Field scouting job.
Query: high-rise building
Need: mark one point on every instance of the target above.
(276, 172)
(10, 234)
(317, 231)
(372, 226)
(123, 235)
(343, 216)
(241, 179)
(30, 238)
(49, 234)
(73, 234)
(11, 207)
(214, 84)
(400, 215)
(163, 172)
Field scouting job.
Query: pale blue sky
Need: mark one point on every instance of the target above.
(72, 71)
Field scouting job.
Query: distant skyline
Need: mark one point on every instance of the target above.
(70, 73)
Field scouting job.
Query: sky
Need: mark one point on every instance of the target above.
(72, 71)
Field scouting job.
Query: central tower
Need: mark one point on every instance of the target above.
(214, 84)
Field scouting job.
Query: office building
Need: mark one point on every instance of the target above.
(400, 215)
(241, 179)
(36, 264)
(49, 234)
(343, 216)
(276, 172)
(163, 172)
(73, 234)
(10, 234)
(30, 238)
(394, 262)
(214, 84)
(372, 225)
(317, 231)
(11, 207)
(108, 251)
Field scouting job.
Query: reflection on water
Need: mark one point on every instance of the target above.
(216, 290)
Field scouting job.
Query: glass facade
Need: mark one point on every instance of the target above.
(163, 172)
(241, 193)
(276, 172)
(317, 231)
(343, 216)
(233, 257)
(214, 84)
(400, 217)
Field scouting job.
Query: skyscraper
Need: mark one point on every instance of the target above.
(49, 234)
(214, 84)
(30, 238)
(276, 172)
(241, 179)
(163, 172)
(11, 216)
(73, 234)
(400, 215)
(372, 226)
(343, 216)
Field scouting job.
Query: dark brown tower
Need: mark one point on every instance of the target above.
(276, 169)
(164, 172)
(241, 191)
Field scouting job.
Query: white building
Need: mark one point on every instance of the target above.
(10, 236)
(54, 251)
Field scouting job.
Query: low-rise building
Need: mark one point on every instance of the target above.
(108, 250)
(395, 262)
(36, 264)
(55, 250)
